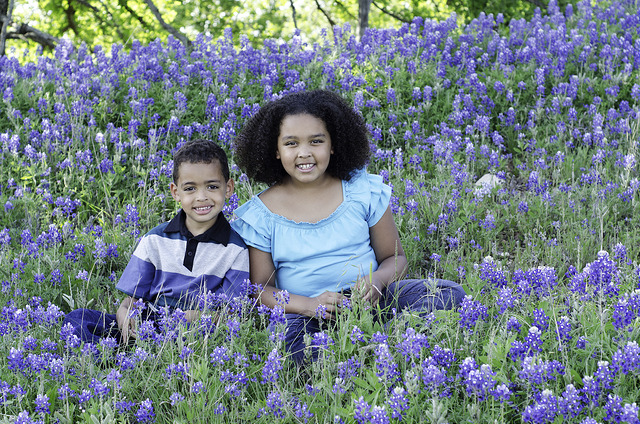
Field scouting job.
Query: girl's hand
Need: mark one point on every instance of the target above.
(369, 290)
(328, 303)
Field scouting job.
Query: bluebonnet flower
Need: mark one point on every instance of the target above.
(145, 412)
(84, 396)
(563, 332)
(301, 410)
(347, 370)
(544, 411)
(434, 377)
(321, 340)
(411, 344)
(506, 300)
(470, 312)
(626, 311)
(626, 359)
(198, 387)
(378, 337)
(361, 411)
(357, 335)
(385, 365)
(480, 382)
(443, 356)
(64, 392)
(540, 319)
(629, 413)
(613, 408)
(590, 390)
(42, 404)
(570, 403)
(537, 371)
(604, 376)
(502, 393)
(124, 406)
(99, 388)
(275, 406)
(176, 398)
(533, 340)
(491, 272)
(219, 355)
(271, 367)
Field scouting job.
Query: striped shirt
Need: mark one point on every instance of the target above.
(172, 267)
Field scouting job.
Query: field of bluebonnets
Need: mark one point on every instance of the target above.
(548, 255)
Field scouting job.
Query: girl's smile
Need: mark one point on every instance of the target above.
(304, 148)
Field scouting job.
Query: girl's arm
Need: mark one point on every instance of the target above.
(263, 273)
(392, 262)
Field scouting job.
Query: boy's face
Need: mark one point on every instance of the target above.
(202, 191)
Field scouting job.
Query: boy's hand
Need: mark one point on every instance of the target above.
(192, 315)
(128, 331)
(126, 324)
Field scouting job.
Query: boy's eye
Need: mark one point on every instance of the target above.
(213, 187)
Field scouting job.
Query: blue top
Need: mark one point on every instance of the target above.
(172, 267)
(329, 255)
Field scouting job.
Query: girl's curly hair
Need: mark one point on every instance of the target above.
(257, 143)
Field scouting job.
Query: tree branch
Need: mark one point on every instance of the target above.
(171, 30)
(345, 8)
(326, 15)
(28, 33)
(133, 13)
(390, 13)
(293, 13)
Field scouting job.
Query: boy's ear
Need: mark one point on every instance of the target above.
(230, 187)
(173, 188)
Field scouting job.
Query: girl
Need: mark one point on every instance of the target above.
(323, 224)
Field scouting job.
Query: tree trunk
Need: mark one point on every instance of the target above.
(6, 10)
(364, 6)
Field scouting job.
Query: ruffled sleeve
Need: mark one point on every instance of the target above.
(372, 193)
(253, 224)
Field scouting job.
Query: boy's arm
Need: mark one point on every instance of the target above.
(126, 324)
(263, 273)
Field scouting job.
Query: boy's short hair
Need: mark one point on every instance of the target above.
(200, 151)
(256, 145)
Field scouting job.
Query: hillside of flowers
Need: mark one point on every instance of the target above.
(546, 244)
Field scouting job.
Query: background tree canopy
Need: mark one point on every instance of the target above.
(100, 22)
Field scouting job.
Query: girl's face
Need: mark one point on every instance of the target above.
(304, 148)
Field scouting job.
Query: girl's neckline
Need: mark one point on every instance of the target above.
(335, 213)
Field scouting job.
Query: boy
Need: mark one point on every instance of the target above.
(196, 252)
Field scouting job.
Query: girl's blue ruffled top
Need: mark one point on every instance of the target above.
(328, 255)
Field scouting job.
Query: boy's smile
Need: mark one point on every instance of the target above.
(201, 190)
